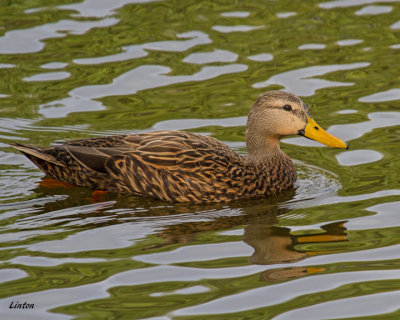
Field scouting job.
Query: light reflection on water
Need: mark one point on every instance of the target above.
(31, 40)
(138, 79)
(139, 51)
(326, 249)
(299, 82)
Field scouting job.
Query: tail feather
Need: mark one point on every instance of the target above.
(36, 152)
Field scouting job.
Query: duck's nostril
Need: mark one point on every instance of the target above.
(316, 128)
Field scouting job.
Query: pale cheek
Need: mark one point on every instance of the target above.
(298, 125)
(285, 131)
(292, 127)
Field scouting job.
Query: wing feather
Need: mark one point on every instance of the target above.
(167, 165)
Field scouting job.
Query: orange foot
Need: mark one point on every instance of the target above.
(97, 196)
(52, 183)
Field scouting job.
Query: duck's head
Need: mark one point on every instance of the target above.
(277, 114)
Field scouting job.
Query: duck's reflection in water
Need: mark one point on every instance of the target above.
(272, 244)
(276, 245)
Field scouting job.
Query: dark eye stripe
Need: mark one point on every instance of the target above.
(298, 113)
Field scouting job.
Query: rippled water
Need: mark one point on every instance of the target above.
(328, 249)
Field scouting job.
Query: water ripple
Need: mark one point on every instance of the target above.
(298, 81)
(210, 57)
(135, 51)
(48, 76)
(261, 57)
(348, 3)
(11, 274)
(339, 199)
(388, 95)
(54, 65)
(184, 124)
(284, 15)
(312, 46)
(357, 157)
(372, 304)
(201, 252)
(100, 8)
(386, 216)
(374, 10)
(236, 14)
(240, 28)
(255, 298)
(348, 42)
(130, 82)
(395, 25)
(30, 40)
(113, 237)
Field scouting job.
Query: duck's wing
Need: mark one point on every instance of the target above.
(167, 165)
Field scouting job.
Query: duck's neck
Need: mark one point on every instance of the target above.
(262, 150)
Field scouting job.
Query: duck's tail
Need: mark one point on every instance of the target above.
(35, 153)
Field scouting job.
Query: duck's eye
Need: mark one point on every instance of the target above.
(287, 107)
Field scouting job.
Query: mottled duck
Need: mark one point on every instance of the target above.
(181, 166)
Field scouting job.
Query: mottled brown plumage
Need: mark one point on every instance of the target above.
(180, 166)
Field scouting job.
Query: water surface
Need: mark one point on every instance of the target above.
(327, 249)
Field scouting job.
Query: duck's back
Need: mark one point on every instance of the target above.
(166, 165)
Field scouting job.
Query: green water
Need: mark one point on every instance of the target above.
(328, 249)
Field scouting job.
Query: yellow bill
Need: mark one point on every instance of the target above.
(314, 132)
